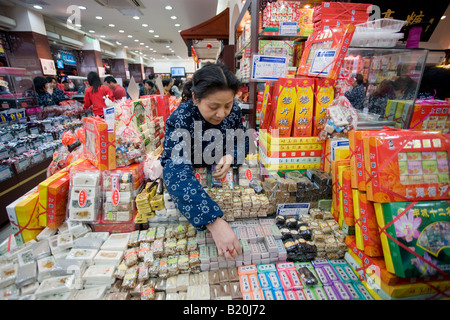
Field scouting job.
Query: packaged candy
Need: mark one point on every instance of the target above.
(130, 257)
(84, 199)
(130, 147)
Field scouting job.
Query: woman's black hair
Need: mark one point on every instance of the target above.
(39, 84)
(359, 79)
(94, 81)
(177, 82)
(50, 79)
(166, 82)
(210, 78)
(150, 83)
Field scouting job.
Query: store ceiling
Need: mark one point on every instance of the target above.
(155, 29)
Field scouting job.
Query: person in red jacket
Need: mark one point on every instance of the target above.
(94, 95)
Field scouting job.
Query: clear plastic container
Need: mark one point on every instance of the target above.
(380, 25)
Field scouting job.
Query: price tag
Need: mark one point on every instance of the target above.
(269, 68)
(288, 28)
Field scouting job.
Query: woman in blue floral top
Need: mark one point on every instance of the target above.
(209, 111)
(358, 93)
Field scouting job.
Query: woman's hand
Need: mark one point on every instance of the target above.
(223, 167)
(226, 240)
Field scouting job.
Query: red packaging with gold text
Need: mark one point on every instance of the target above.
(284, 99)
(324, 96)
(304, 109)
(406, 165)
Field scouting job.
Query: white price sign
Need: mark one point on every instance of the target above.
(288, 28)
(269, 68)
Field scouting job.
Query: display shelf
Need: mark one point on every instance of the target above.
(20, 184)
(251, 14)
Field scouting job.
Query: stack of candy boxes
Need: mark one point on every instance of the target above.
(392, 193)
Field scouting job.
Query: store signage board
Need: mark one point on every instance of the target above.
(48, 67)
(268, 67)
(288, 28)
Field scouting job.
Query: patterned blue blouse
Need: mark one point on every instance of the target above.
(356, 96)
(178, 171)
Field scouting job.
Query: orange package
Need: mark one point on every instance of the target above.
(406, 165)
(346, 197)
(357, 157)
(100, 146)
(366, 222)
(336, 187)
(57, 201)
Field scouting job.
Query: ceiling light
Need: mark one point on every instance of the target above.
(81, 7)
(167, 46)
(112, 25)
(121, 31)
(147, 47)
(136, 18)
(125, 47)
(443, 17)
(177, 24)
(141, 43)
(91, 31)
(102, 36)
(173, 17)
(168, 8)
(180, 30)
(130, 36)
(307, 6)
(38, 7)
(78, 25)
(145, 25)
(136, 40)
(156, 36)
(98, 18)
(151, 31)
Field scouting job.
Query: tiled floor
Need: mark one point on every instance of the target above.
(5, 232)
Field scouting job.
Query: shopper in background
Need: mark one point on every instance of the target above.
(117, 89)
(57, 94)
(377, 102)
(96, 93)
(211, 105)
(126, 83)
(405, 88)
(147, 89)
(167, 84)
(358, 92)
(43, 96)
(176, 88)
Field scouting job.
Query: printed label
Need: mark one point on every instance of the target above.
(82, 198)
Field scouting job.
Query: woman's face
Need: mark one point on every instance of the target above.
(216, 106)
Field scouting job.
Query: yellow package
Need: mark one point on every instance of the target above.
(43, 196)
(358, 224)
(23, 216)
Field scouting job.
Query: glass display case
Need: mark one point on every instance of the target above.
(16, 89)
(371, 77)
